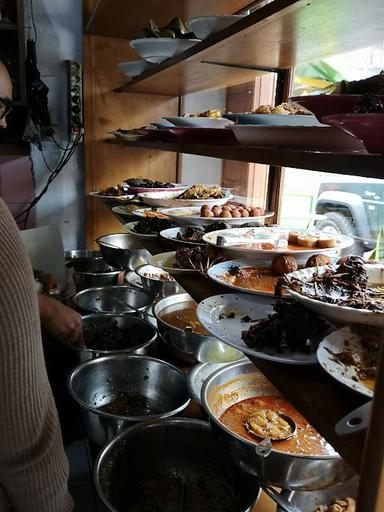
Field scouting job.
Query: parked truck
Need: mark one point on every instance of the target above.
(352, 208)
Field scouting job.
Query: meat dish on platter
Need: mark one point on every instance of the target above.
(261, 278)
(235, 318)
(351, 292)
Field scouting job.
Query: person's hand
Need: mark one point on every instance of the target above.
(60, 322)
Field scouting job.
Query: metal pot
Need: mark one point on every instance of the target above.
(96, 383)
(81, 253)
(309, 501)
(157, 286)
(93, 272)
(113, 299)
(117, 252)
(188, 346)
(239, 381)
(182, 449)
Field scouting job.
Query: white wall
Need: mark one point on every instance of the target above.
(199, 169)
(59, 38)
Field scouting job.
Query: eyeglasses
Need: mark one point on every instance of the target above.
(5, 107)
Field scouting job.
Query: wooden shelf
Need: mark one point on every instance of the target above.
(114, 18)
(280, 35)
(370, 166)
(321, 400)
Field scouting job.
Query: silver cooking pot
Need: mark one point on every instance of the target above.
(239, 381)
(143, 459)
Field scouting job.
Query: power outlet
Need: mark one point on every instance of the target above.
(75, 98)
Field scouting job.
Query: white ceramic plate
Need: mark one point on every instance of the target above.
(191, 215)
(218, 271)
(141, 190)
(310, 138)
(210, 311)
(205, 26)
(166, 261)
(273, 119)
(134, 68)
(120, 210)
(128, 228)
(171, 234)
(247, 237)
(174, 202)
(341, 315)
(158, 49)
(335, 343)
(199, 122)
(198, 375)
(128, 137)
(125, 197)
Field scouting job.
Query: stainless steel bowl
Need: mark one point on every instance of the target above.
(156, 286)
(165, 454)
(96, 383)
(81, 253)
(309, 501)
(112, 299)
(186, 345)
(92, 272)
(239, 381)
(117, 252)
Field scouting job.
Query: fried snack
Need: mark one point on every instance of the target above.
(307, 240)
(283, 264)
(292, 237)
(214, 113)
(263, 109)
(280, 110)
(344, 505)
(154, 213)
(325, 242)
(318, 260)
(202, 192)
(230, 211)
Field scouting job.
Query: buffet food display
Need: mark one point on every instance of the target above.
(298, 296)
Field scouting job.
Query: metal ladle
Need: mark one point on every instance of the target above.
(263, 450)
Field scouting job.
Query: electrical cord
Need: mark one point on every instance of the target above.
(65, 158)
(33, 21)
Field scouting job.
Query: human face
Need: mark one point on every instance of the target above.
(5, 95)
(5, 107)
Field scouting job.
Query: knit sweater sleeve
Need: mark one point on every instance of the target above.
(33, 466)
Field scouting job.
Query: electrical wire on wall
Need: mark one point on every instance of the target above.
(37, 93)
(68, 152)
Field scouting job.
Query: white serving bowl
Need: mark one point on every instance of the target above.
(159, 49)
(134, 68)
(340, 315)
(199, 122)
(205, 26)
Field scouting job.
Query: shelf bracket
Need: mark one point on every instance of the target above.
(241, 66)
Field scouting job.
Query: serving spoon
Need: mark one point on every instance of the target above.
(263, 450)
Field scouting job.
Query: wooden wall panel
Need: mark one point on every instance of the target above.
(107, 164)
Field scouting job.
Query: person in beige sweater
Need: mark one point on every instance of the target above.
(33, 465)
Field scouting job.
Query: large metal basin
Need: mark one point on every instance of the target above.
(93, 272)
(113, 299)
(95, 383)
(239, 381)
(117, 251)
(163, 454)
